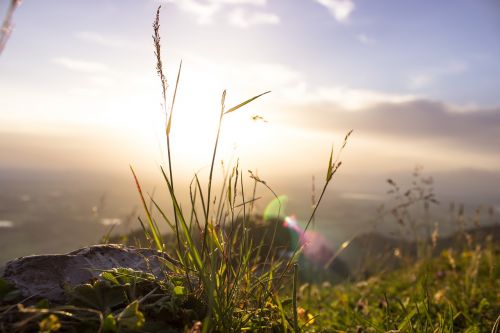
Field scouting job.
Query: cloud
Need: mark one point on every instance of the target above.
(366, 39)
(298, 93)
(241, 2)
(397, 116)
(355, 99)
(340, 9)
(291, 87)
(97, 38)
(243, 19)
(80, 65)
(205, 11)
(420, 80)
(426, 77)
(419, 119)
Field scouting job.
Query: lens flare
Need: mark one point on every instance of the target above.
(315, 247)
(291, 223)
(276, 208)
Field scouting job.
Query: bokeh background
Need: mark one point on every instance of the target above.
(80, 101)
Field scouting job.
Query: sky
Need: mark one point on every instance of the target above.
(417, 81)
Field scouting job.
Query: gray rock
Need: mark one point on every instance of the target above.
(44, 276)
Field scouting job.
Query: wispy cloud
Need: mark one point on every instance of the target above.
(356, 99)
(420, 80)
(419, 119)
(340, 9)
(205, 11)
(241, 2)
(365, 39)
(80, 65)
(337, 96)
(291, 88)
(427, 76)
(244, 19)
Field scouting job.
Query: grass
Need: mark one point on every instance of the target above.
(219, 261)
(228, 280)
(455, 292)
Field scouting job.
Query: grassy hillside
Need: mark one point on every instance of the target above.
(456, 292)
(232, 272)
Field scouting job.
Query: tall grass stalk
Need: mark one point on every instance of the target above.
(296, 326)
(216, 255)
(333, 167)
(6, 28)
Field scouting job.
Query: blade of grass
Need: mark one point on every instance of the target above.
(156, 233)
(234, 108)
(294, 298)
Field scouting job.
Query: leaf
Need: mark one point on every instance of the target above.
(169, 124)
(154, 230)
(329, 173)
(12, 295)
(229, 193)
(131, 317)
(101, 295)
(180, 291)
(49, 324)
(109, 324)
(110, 277)
(42, 304)
(5, 288)
(234, 108)
(85, 295)
(407, 320)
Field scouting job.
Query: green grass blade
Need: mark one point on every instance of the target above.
(162, 213)
(234, 108)
(294, 298)
(155, 232)
(169, 124)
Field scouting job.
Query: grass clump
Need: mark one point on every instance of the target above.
(238, 280)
